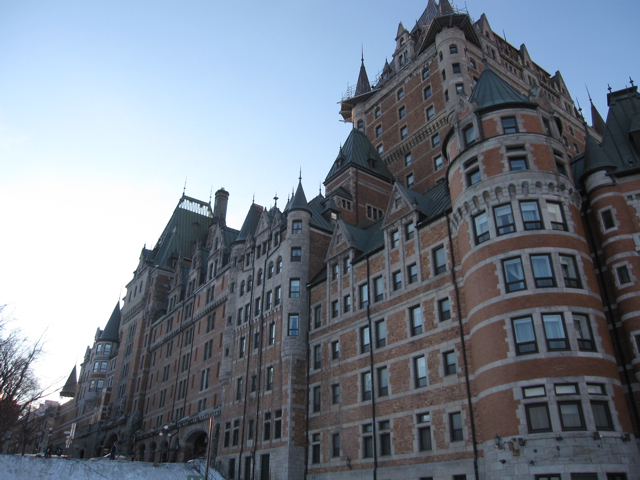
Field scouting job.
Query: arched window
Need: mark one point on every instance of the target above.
(279, 265)
(242, 288)
(270, 270)
(259, 280)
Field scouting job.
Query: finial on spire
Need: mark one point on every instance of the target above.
(184, 189)
(631, 81)
(319, 188)
(253, 200)
(609, 88)
(362, 52)
(588, 93)
(300, 177)
(275, 199)
(210, 193)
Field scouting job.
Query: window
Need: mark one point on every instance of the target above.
(363, 291)
(509, 125)
(444, 310)
(269, 379)
(531, 215)
(525, 336)
(412, 273)
(472, 62)
(437, 163)
(623, 274)
(611, 476)
(294, 325)
(409, 230)
(395, 239)
(402, 112)
(542, 271)
(367, 441)
(455, 424)
(481, 228)
(377, 112)
(427, 92)
(536, 391)
(426, 73)
(408, 160)
(296, 255)
(272, 334)
(347, 303)
(238, 393)
(335, 270)
(517, 164)
(400, 94)
(266, 427)
(556, 216)
(571, 417)
(583, 332)
(453, 49)
(335, 393)
(555, 332)
(439, 261)
(410, 181)
(317, 397)
(472, 172)
(504, 219)
(444, 73)
(366, 386)
(335, 349)
(420, 371)
(335, 445)
(469, 135)
(360, 124)
(315, 448)
(378, 289)
(607, 219)
(459, 89)
(456, 68)
(538, 417)
(404, 132)
(513, 274)
(385, 437)
(378, 131)
(435, 140)
(566, 389)
(365, 340)
(570, 271)
(279, 265)
(294, 288)
(561, 167)
(242, 347)
(381, 334)
(317, 317)
(431, 112)
(446, 95)
(449, 362)
(415, 317)
(334, 309)
(380, 149)
(383, 382)
(397, 280)
(601, 415)
(424, 431)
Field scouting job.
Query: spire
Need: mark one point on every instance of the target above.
(445, 8)
(111, 332)
(493, 92)
(596, 120)
(401, 30)
(594, 157)
(69, 389)
(299, 201)
(363, 85)
(184, 189)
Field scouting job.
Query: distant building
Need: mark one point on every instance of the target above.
(460, 304)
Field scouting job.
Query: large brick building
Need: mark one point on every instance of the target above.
(461, 302)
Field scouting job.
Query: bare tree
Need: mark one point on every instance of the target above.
(19, 386)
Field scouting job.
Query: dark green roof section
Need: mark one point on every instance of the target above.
(111, 332)
(229, 235)
(69, 389)
(318, 220)
(493, 92)
(250, 223)
(189, 223)
(360, 153)
(363, 85)
(439, 200)
(320, 277)
(299, 201)
(595, 158)
(367, 240)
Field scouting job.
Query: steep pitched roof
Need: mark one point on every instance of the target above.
(363, 85)
(69, 389)
(594, 158)
(111, 332)
(360, 153)
(430, 12)
(445, 7)
(299, 201)
(493, 92)
(250, 223)
(596, 120)
(318, 220)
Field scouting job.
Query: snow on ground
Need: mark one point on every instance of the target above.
(31, 468)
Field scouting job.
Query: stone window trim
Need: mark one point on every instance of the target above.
(601, 219)
(616, 271)
(447, 420)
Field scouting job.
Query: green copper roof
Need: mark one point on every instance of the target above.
(595, 158)
(250, 223)
(360, 153)
(493, 92)
(299, 201)
(111, 332)
(69, 389)
(318, 218)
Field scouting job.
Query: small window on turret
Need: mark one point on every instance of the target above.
(472, 62)
(456, 68)
(360, 125)
(297, 226)
(453, 49)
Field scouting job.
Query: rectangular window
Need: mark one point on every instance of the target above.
(583, 333)
(517, 164)
(555, 332)
(363, 293)
(294, 288)
(317, 396)
(272, 334)
(397, 280)
(623, 274)
(366, 386)
(570, 272)
(469, 136)
(431, 112)
(367, 441)
(239, 389)
(409, 231)
(473, 176)
(294, 325)
(408, 159)
(542, 271)
(410, 180)
(420, 371)
(346, 302)
(346, 265)
(439, 261)
(601, 415)
(335, 393)
(378, 130)
(513, 274)
(525, 336)
(400, 94)
(460, 91)
(395, 239)
(456, 68)
(427, 92)
(404, 132)
(449, 362)
(435, 140)
(269, 379)
(296, 254)
(607, 219)
(365, 340)
(531, 215)
(296, 226)
(437, 163)
(556, 216)
(317, 316)
(424, 431)
(335, 309)
(538, 417)
(571, 417)
(317, 356)
(412, 273)
(277, 295)
(266, 427)
(481, 228)
(385, 437)
(415, 317)
(381, 334)
(402, 112)
(378, 287)
(444, 309)
(455, 424)
(335, 349)
(504, 219)
(335, 445)
(509, 125)
(535, 391)
(383, 382)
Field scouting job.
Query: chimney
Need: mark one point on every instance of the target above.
(220, 205)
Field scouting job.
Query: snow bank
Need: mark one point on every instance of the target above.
(30, 468)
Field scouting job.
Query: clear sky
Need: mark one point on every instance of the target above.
(106, 107)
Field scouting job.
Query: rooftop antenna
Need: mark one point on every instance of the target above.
(184, 189)
(275, 200)
(210, 192)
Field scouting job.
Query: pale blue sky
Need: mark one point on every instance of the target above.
(107, 106)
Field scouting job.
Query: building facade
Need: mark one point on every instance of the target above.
(459, 304)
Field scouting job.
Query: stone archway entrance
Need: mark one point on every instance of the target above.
(164, 452)
(152, 452)
(140, 452)
(195, 445)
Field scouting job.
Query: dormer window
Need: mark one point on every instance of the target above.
(372, 163)
(360, 125)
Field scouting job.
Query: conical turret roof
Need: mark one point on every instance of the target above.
(250, 223)
(363, 85)
(597, 121)
(493, 92)
(595, 157)
(69, 389)
(111, 332)
(299, 201)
